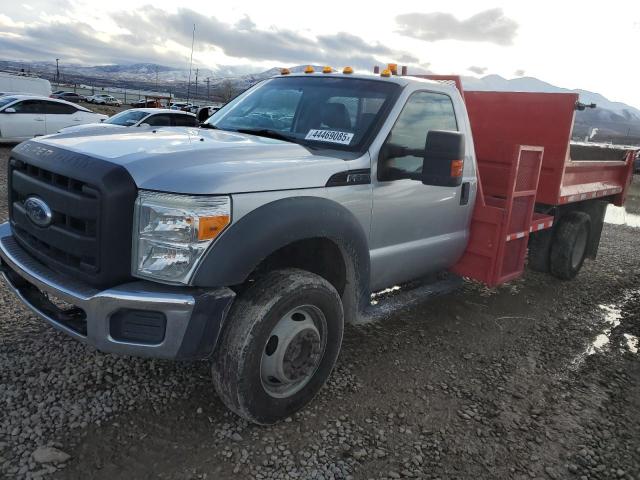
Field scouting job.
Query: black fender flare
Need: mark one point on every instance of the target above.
(241, 248)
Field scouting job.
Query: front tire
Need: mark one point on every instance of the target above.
(281, 342)
(569, 247)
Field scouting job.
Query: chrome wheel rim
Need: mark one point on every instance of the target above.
(293, 351)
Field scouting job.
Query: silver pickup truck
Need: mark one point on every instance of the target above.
(248, 241)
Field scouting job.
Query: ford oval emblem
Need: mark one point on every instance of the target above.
(38, 211)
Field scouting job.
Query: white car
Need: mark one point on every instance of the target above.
(139, 117)
(104, 99)
(27, 116)
(181, 106)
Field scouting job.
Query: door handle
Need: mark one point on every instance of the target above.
(464, 193)
(39, 119)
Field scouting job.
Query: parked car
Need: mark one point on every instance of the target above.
(138, 117)
(184, 106)
(69, 97)
(27, 116)
(104, 99)
(148, 103)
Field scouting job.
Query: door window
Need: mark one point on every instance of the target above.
(55, 108)
(423, 111)
(185, 121)
(158, 120)
(31, 106)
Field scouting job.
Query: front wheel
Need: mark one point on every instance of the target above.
(282, 340)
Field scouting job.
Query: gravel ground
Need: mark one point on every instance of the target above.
(536, 379)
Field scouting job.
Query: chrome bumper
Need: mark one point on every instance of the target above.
(194, 317)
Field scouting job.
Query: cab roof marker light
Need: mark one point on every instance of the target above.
(327, 69)
(385, 73)
(309, 69)
(284, 71)
(347, 70)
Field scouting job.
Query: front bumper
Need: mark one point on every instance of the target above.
(139, 318)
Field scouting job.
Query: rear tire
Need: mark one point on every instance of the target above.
(569, 246)
(281, 342)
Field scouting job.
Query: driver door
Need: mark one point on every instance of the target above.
(416, 229)
(28, 121)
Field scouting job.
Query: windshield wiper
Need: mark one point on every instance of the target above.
(263, 132)
(208, 125)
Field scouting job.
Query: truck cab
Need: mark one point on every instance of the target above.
(251, 240)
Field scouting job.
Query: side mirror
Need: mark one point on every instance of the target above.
(9, 110)
(443, 158)
(144, 125)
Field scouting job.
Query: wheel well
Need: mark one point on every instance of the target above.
(317, 255)
(540, 242)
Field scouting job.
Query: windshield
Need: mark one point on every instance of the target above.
(6, 101)
(126, 118)
(321, 111)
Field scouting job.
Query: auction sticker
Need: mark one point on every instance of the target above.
(332, 136)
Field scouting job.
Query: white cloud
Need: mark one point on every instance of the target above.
(554, 41)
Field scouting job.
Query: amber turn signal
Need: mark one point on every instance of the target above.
(210, 227)
(456, 168)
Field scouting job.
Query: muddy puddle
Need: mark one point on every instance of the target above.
(620, 216)
(612, 315)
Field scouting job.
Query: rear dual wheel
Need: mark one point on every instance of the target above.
(569, 246)
(281, 342)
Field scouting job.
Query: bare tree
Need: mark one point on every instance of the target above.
(227, 91)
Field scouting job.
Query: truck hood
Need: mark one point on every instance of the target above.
(198, 161)
(87, 128)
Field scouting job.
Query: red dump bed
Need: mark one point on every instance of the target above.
(527, 164)
(569, 173)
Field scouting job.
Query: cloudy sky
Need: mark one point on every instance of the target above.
(573, 44)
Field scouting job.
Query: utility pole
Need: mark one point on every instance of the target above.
(196, 92)
(58, 71)
(208, 81)
(193, 41)
(156, 78)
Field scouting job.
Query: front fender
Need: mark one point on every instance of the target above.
(274, 225)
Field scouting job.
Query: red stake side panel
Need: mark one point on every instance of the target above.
(584, 180)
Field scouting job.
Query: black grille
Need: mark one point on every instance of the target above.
(72, 236)
(91, 202)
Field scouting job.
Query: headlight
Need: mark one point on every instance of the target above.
(172, 232)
